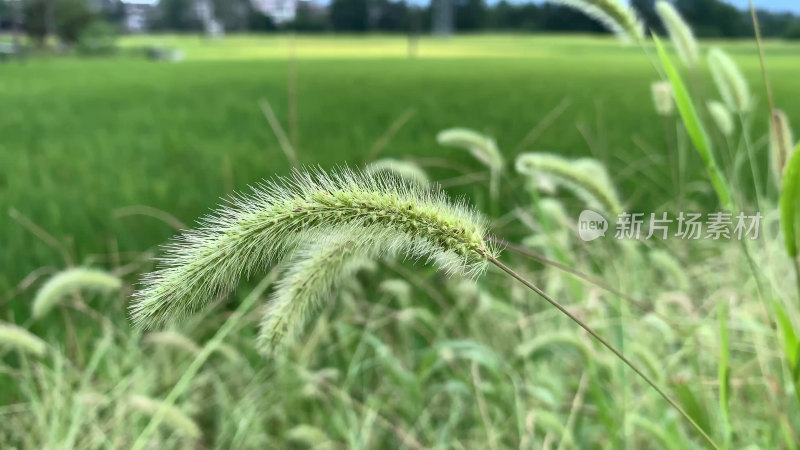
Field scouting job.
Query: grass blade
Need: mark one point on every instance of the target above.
(723, 372)
(694, 127)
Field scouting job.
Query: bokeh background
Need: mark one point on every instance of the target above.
(122, 121)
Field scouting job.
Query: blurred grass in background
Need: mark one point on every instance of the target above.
(402, 356)
(81, 138)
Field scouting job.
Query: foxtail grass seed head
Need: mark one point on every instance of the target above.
(721, 116)
(585, 177)
(662, 98)
(482, 147)
(313, 275)
(781, 142)
(670, 268)
(258, 228)
(619, 18)
(171, 339)
(69, 282)
(404, 169)
(730, 82)
(679, 32)
(397, 288)
(17, 337)
(177, 421)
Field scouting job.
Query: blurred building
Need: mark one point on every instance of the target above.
(280, 11)
(138, 14)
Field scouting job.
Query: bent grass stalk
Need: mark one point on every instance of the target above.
(607, 345)
(69, 282)
(419, 224)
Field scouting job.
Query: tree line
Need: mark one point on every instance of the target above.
(66, 18)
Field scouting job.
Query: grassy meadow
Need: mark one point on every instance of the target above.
(101, 159)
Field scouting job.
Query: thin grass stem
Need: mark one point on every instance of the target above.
(606, 344)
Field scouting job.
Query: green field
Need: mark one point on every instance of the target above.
(84, 139)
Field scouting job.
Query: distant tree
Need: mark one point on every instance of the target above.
(774, 25)
(64, 18)
(71, 17)
(234, 14)
(179, 15)
(391, 16)
(258, 21)
(349, 15)
(792, 31)
(510, 16)
(560, 18)
(647, 12)
(112, 11)
(713, 18)
(470, 15)
(309, 18)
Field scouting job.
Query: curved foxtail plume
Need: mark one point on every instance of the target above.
(174, 418)
(781, 143)
(483, 148)
(721, 116)
(662, 98)
(15, 336)
(621, 19)
(258, 228)
(587, 178)
(730, 82)
(70, 281)
(404, 169)
(313, 273)
(679, 33)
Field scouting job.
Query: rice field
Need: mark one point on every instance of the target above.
(102, 159)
